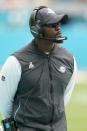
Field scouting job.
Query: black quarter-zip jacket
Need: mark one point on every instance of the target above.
(39, 100)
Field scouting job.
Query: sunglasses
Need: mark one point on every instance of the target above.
(52, 25)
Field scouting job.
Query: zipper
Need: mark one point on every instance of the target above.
(51, 92)
(19, 105)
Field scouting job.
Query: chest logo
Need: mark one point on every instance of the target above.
(62, 69)
(31, 65)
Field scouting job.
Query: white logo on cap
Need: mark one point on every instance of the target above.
(51, 11)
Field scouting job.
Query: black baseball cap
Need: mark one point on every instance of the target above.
(48, 16)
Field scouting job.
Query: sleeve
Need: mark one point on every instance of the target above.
(70, 86)
(9, 78)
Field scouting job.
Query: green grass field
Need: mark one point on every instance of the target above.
(76, 109)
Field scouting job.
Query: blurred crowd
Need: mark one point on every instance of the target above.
(71, 7)
(11, 4)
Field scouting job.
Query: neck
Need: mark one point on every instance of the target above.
(44, 45)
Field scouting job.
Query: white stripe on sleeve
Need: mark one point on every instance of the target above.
(9, 78)
(70, 86)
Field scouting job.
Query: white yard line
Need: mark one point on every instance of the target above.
(1, 128)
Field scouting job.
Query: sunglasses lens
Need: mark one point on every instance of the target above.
(52, 25)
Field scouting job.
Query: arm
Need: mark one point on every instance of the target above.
(9, 78)
(70, 85)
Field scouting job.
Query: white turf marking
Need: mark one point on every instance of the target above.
(1, 128)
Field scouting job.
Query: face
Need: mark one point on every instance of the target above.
(52, 30)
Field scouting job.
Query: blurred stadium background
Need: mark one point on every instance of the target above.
(14, 33)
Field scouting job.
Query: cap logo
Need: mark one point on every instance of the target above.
(50, 11)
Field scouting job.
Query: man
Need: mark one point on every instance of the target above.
(37, 80)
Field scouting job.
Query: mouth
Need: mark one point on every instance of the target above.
(58, 34)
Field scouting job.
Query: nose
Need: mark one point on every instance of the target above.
(57, 27)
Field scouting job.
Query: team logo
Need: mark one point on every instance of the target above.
(51, 11)
(3, 78)
(31, 65)
(62, 69)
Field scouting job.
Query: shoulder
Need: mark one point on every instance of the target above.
(11, 61)
(11, 68)
(24, 51)
(64, 55)
(64, 51)
(24, 54)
